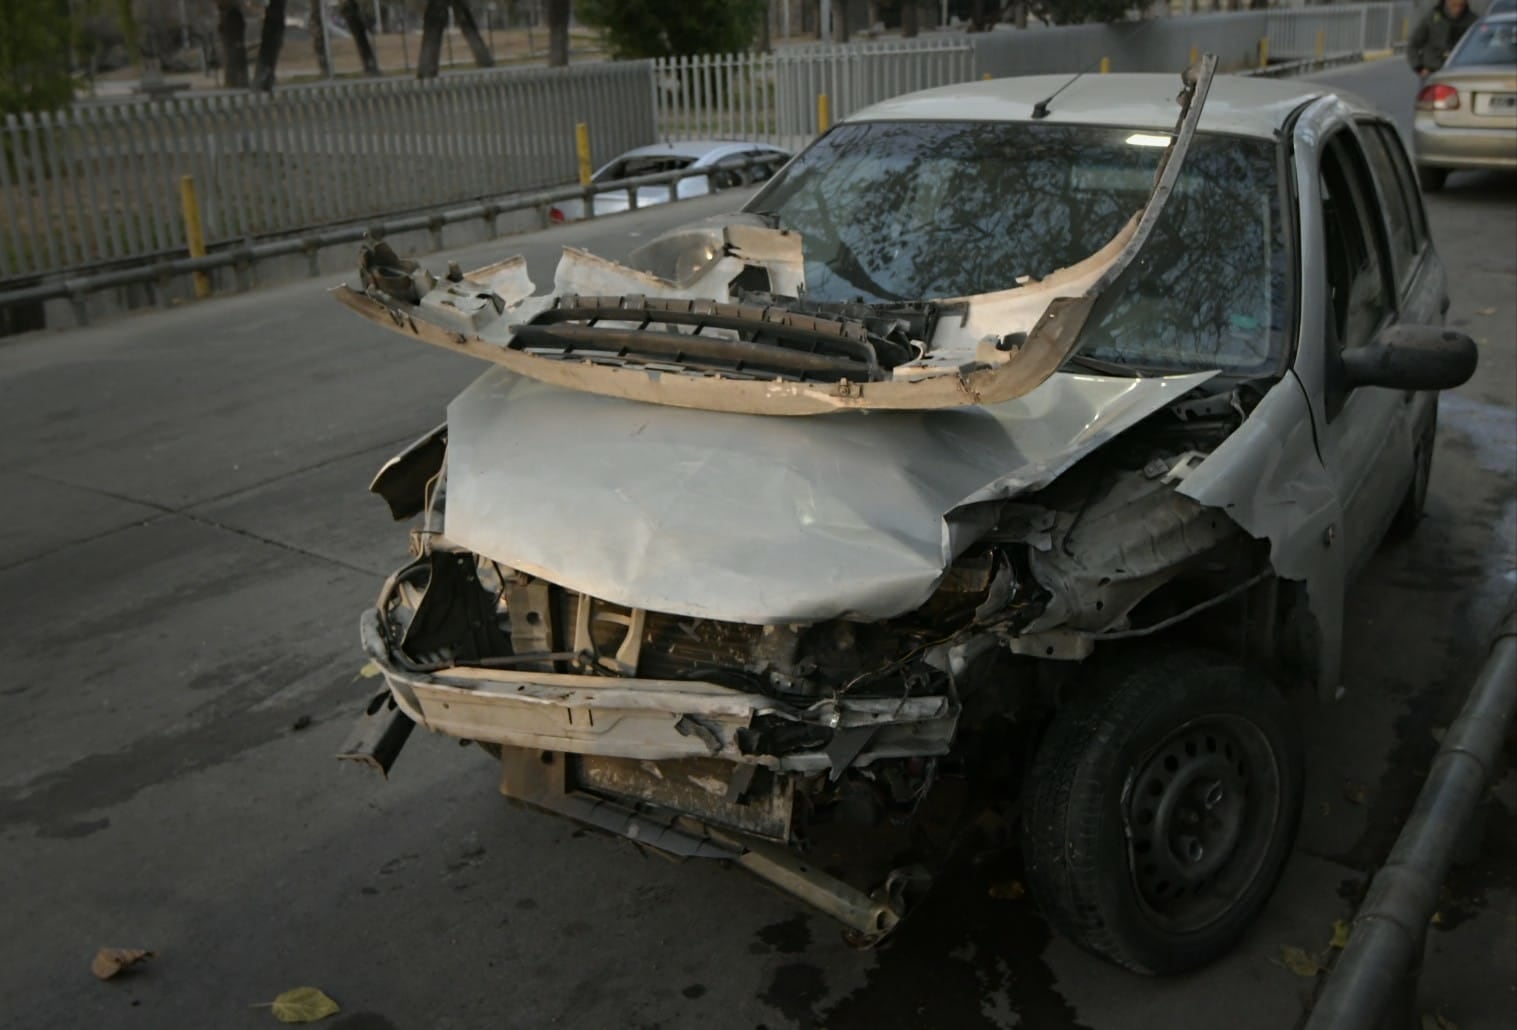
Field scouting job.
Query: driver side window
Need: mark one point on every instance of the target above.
(1360, 300)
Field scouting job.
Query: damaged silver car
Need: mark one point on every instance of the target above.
(1013, 436)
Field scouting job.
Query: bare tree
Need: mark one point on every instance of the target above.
(434, 21)
(317, 21)
(353, 18)
(558, 33)
(232, 28)
(470, 28)
(270, 39)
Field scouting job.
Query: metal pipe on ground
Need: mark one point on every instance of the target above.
(1388, 933)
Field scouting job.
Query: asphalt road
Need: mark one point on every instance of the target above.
(186, 542)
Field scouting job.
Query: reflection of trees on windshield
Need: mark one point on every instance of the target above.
(920, 210)
(1208, 289)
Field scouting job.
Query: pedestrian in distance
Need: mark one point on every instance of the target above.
(1436, 34)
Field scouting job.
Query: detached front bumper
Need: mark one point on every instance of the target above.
(635, 757)
(657, 720)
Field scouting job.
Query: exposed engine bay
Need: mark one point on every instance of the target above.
(708, 736)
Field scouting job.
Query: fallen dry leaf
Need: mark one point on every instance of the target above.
(1355, 792)
(369, 670)
(303, 1005)
(1486, 311)
(1010, 890)
(1437, 919)
(110, 961)
(1299, 962)
(1340, 935)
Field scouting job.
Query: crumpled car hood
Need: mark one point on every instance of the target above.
(757, 520)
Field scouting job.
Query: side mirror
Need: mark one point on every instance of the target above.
(1412, 357)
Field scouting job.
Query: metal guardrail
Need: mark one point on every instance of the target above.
(1390, 929)
(242, 257)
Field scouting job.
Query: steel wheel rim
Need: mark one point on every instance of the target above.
(1201, 811)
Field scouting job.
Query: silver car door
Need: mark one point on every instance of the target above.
(1367, 436)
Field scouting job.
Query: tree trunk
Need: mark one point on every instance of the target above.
(317, 23)
(558, 33)
(233, 28)
(764, 43)
(433, 21)
(840, 20)
(270, 39)
(353, 18)
(470, 28)
(909, 12)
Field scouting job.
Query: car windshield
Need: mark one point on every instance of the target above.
(1489, 42)
(631, 167)
(929, 210)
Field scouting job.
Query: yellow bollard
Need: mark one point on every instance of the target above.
(986, 76)
(194, 234)
(1406, 28)
(823, 114)
(1321, 43)
(1264, 52)
(582, 146)
(1195, 56)
(1105, 65)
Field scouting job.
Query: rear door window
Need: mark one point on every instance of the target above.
(1394, 207)
(1360, 298)
(1395, 150)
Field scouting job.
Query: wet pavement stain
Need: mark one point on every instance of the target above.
(694, 991)
(981, 955)
(788, 937)
(363, 1021)
(82, 828)
(218, 734)
(794, 990)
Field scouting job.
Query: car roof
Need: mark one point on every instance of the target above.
(694, 148)
(1235, 104)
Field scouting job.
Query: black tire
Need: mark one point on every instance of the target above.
(1431, 179)
(1409, 516)
(1179, 740)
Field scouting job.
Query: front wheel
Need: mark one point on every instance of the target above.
(1431, 179)
(1160, 809)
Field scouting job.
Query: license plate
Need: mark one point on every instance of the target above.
(1496, 103)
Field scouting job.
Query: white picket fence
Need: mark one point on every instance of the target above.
(101, 182)
(1302, 33)
(774, 97)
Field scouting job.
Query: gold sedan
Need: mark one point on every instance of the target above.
(1467, 112)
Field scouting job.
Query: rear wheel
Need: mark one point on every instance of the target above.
(1161, 808)
(1431, 179)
